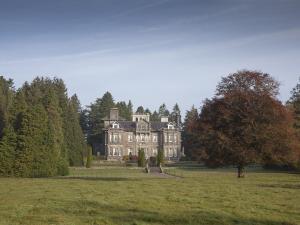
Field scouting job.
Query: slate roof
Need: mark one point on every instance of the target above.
(158, 125)
(106, 118)
(131, 126)
(127, 125)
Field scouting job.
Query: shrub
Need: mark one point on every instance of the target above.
(134, 158)
(89, 158)
(160, 157)
(62, 168)
(126, 158)
(141, 158)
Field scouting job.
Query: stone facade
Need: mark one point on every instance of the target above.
(123, 138)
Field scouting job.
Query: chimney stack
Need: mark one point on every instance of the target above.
(114, 114)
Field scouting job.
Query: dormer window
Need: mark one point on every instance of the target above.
(115, 125)
(170, 126)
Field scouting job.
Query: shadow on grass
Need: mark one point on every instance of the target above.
(98, 178)
(91, 178)
(118, 214)
(288, 186)
(250, 169)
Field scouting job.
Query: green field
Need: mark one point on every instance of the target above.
(120, 195)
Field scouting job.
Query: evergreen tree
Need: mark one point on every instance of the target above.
(39, 129)
(84, 122)
(147, 111)
(89, 158)
(74, 135)
(7, 153)
(124, 110)
(34, 155)
(160, 157)
(189, 137)
(141, 158)
(57, 139)
(163, 111)
(154, 117)
(176, 115)
(140, 109)
(6, 100)
(7, 135)
(97, 111)
(130, 107)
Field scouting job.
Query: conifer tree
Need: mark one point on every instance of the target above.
(160, 157)
(140, 109)
(154, 117)
(97, 111)
(89, 158)
(163, 111)
(7, 153)
(7, 136)
(189, 137)
(176, 115)
(74, 135)
(124, 111)
(34, 155)
(141, 158)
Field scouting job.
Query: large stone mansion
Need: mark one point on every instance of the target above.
(122, 138)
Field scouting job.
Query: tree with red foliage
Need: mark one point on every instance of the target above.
(245, 123)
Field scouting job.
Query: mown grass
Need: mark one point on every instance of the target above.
(113, 195)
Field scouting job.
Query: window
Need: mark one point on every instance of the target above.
(175, 138)
(115, 125)
(129, 150)
(130, 138)
(142, 137)
(170, 138)
(154, 138)
(174, 153)
(170, 126)
(115, 138)
(137, 138)
(117, 151)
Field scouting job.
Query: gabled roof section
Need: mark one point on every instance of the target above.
(158, 125)
(127, 125)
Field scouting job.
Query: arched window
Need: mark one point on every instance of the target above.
(170, 126)
(115, 125)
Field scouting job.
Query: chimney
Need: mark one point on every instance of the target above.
(114, 114)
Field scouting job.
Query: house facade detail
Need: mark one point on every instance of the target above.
(124, 138)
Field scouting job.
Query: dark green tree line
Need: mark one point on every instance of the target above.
(41, 133)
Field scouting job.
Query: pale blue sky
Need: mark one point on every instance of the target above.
(149, 51)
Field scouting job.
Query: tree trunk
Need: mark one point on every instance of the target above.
(241, 171)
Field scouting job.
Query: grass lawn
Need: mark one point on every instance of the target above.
(115, 195)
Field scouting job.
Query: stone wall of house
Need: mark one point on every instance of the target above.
(120, 142)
